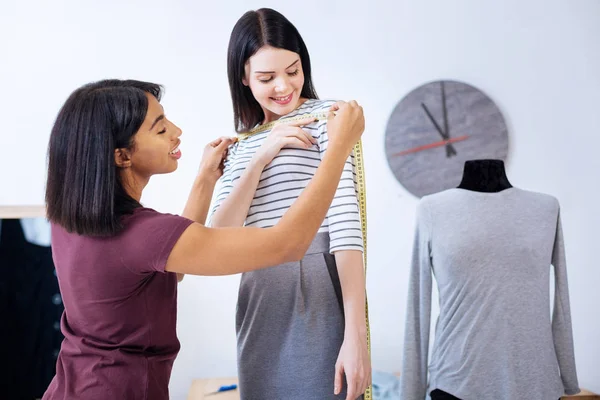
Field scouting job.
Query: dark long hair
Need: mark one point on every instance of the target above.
(84, 192)
(255, 29)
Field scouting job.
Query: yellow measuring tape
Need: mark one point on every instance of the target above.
(362, 200)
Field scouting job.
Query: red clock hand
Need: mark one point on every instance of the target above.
(432, 145)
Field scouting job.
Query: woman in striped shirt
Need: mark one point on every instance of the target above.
(301, 329)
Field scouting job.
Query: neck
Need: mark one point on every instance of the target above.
(133, 185)
(484, 176)
(269, 117)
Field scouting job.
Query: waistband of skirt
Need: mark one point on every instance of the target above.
(320, 244)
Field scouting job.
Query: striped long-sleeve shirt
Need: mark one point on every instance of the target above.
(284, 179)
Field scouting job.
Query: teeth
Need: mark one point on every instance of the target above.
(175, 150)
(282, 98)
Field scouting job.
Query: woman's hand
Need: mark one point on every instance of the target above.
(215, 153)
(345, 125)
(287, 134)
(353, 361)
(234, 209)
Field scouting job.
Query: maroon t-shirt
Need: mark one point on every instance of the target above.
(120, 310)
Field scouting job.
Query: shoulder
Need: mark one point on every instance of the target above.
(322, 105)
(543, 197)
(440, 199)
(145, 213)
(427, 205)
(542, 201)
(314, 106)
(151, 221)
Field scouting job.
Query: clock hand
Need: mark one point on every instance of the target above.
(433, 121)
(445, 111)
(431, 145)
(450, 150)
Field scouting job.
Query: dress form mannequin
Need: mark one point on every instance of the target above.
(474, 241)
(488, 176)
(484, 176)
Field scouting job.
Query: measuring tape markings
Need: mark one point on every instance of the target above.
(361, 194)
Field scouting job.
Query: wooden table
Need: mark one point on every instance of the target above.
(583, 395)
(200, 387)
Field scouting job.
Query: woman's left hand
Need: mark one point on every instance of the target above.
(354, 361)
(213, 157)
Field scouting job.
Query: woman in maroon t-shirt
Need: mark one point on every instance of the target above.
(117, 262)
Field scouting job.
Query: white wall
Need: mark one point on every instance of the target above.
(538, 60)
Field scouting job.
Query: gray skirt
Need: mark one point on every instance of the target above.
(290, 327)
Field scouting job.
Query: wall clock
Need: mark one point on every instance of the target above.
(436, 128)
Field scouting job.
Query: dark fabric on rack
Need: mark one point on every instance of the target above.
(438, 394)
(30, 310)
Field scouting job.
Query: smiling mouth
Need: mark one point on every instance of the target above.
(175, 149)
(176, 153)
(284, 99)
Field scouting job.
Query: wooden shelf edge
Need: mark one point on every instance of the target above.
(15, 212)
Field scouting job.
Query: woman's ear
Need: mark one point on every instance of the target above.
(122, 158)
(246, 73)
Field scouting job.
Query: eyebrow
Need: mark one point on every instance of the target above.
(159, 118)
(272, 72)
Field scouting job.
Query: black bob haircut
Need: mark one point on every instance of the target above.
(84, 192)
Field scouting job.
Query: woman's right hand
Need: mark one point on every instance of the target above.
(288, 134)
(345, 124)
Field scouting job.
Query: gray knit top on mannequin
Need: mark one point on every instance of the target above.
(490, 254)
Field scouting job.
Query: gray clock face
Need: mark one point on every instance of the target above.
(435, 129)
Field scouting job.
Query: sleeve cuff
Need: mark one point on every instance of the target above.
(335, 249)
(572, 391)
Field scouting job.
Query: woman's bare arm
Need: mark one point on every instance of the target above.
(234, 209)
(220, 251)
(210, 170)
(223, 251)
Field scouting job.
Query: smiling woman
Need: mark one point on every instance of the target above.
(279, 74)
(287, 91)
(301, 327)
(116, 261)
